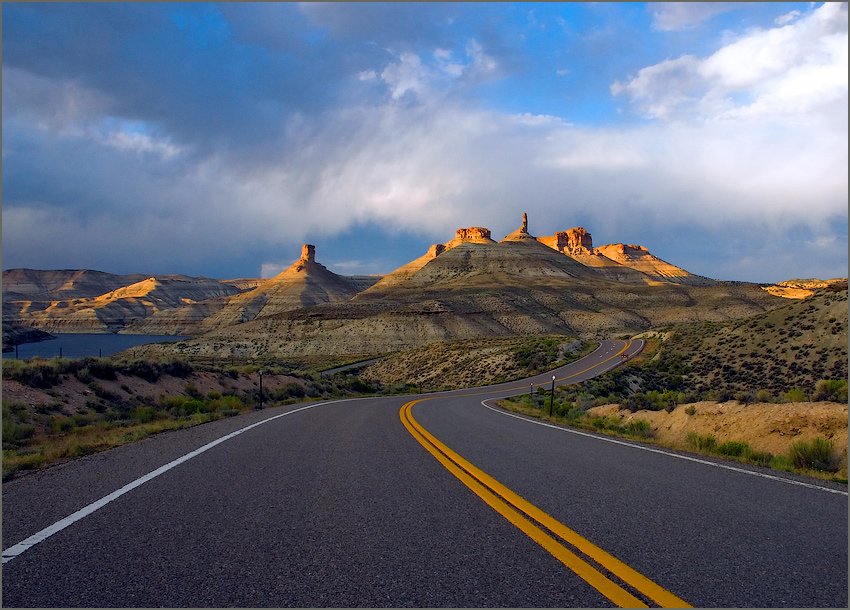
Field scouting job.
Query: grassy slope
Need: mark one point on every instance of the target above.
(466, 363)
(794, 346)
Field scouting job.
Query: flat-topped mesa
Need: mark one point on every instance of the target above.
(475, 235)
(576, 241)
(308, 253)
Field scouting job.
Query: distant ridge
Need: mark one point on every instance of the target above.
(305, 283)
(467, 287)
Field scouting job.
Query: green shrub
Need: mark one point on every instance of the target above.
(638, 427)
(762, 458)
(690, 410)
(831, 389)
(706, 442)
(194, 406)
(794, 395)
(177, 368)
(765, 396)
(733, 448)
(817, 455)
(360, 386)
(232, 403)
(60, 424)
(14, 433)
(173, 403)
(780, 462)
(99, 367)
(34, 375)
(148, 371)
(144, 414)
(574, 413)
(193, 391)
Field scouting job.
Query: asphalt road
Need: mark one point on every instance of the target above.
(340, 504)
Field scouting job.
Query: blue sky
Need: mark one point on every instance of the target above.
(215, 139)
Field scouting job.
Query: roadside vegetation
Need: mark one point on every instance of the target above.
(795, 353)
(103, 411)
(818, 458)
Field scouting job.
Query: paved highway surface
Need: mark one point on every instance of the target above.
(429, 500)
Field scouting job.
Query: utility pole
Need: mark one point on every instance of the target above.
(552, 396)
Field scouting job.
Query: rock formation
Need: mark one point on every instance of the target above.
(572, 242)
(305, 283)
(475, 235)
(436, 250)
(638, 258)
(520, 234)
(308, 253)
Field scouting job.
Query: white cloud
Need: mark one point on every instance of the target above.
(685, 15)
(797, 72)
(787, 18)
(747, 149)
(269, 270)
(142, 143)
(440, 75)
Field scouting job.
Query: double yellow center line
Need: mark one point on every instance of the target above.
(535, 523)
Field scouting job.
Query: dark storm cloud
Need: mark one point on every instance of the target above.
(176, 67)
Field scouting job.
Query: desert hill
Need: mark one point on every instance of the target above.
(800, 289)
(793, 346)
(640, 259)
(473, 287)
(63, 284)
(86, 301)
(627, 264)
(95, 302)
(303, 284)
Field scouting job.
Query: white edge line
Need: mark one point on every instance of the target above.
(15, 550)
(667, 453)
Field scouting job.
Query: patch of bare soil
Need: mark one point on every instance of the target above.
(765, 426)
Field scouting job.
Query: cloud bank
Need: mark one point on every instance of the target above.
(215, 138)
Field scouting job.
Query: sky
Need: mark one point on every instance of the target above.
(216, 139)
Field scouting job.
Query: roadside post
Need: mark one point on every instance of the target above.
(552, 396)
(261, 389)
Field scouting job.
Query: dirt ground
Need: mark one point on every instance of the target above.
(765, 426)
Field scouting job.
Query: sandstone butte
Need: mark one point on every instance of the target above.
(618, 262)
(91, 301)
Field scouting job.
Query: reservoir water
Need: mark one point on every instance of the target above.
(81, 345)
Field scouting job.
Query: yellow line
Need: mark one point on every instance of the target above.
(479, 482)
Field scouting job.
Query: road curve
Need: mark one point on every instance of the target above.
(338, 504)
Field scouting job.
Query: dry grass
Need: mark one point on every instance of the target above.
(43, 450)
